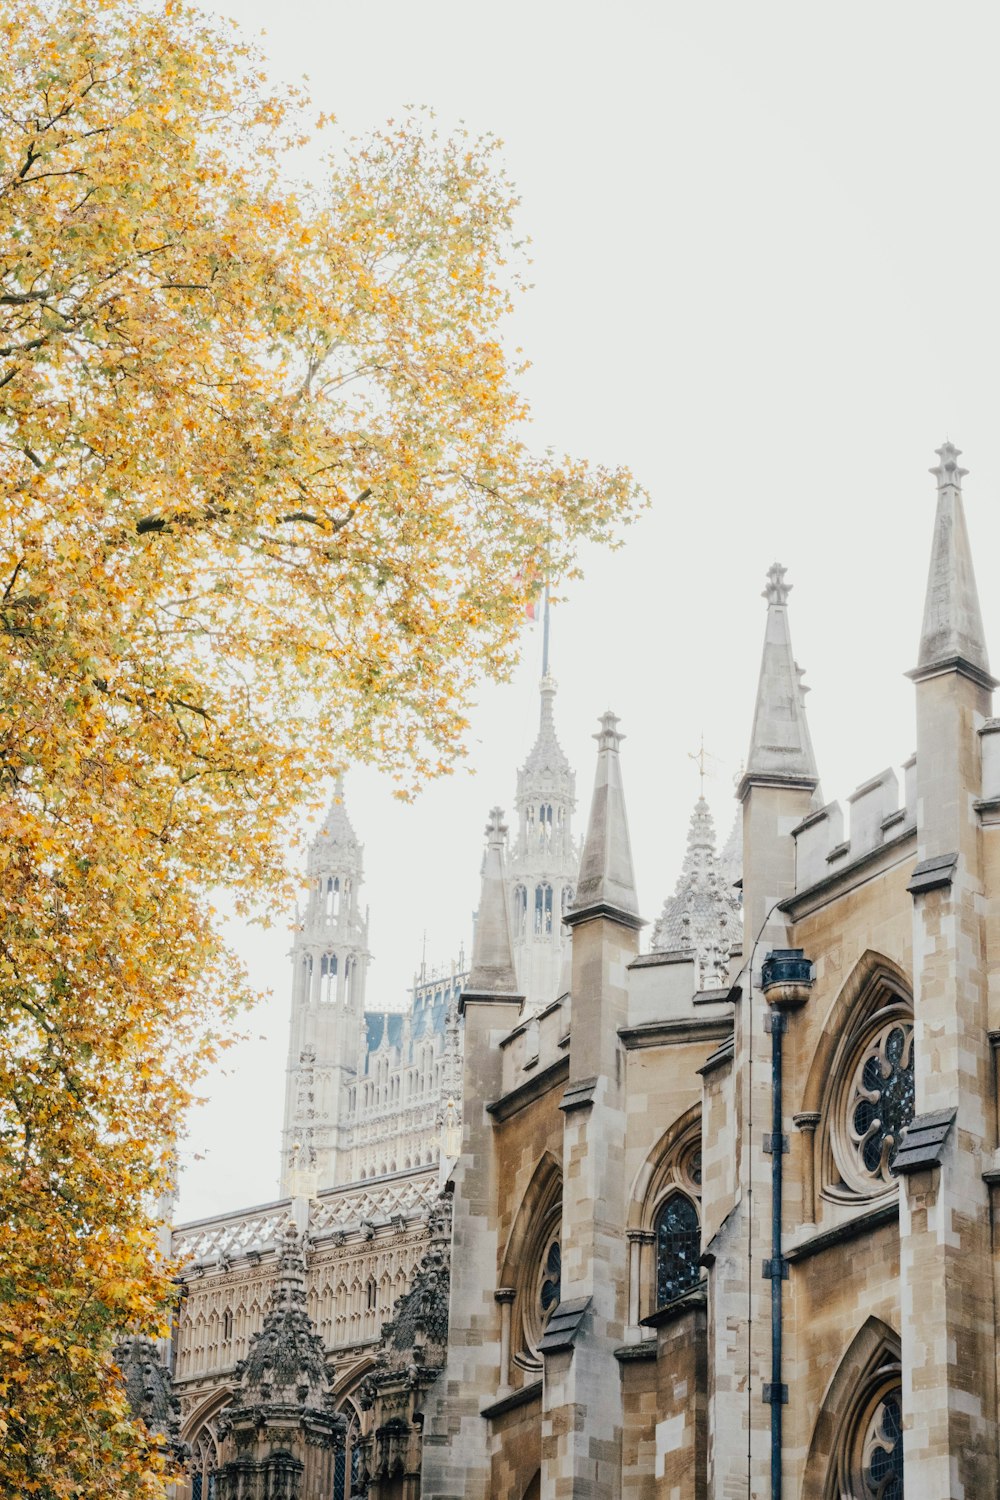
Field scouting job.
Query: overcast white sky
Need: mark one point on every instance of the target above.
(765, 244)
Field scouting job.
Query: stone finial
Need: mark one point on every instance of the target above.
(947, 471)
(608, 737)
(781, 749)
(496, 828)
(776, 590)
(607, 879)
(951, 636)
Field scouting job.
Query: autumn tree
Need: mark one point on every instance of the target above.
(267, 507)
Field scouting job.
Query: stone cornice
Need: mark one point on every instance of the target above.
(884, 1212)
(520, 1397)
(526, 1093)
(671, 1033)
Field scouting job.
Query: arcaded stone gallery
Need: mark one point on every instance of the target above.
(706, 1214)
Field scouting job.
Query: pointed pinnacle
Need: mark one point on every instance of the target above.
(947, 470)
(776, 590)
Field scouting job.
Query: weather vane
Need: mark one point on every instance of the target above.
(699, 758)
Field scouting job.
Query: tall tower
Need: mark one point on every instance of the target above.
(329, 968)
(542, 871)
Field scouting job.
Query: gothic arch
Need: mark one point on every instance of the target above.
(206, 1413)
(651, 1179)
(876, 998)
(542, 1191)
(872, 1358)
(531, 1263)
(873, 977)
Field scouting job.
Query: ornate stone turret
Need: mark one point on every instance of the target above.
(543, 859)
(414, 1345)
(703, 915)
(330, 962)
(280, 1432)
(148, 1388)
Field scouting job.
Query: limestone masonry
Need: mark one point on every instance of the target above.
(710, 1216)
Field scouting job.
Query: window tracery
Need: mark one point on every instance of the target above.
(871, 1100)
(202, 1465)
(868, 1462)
(664, 1222)
(543, 910)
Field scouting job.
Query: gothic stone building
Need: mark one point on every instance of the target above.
(712, 1219)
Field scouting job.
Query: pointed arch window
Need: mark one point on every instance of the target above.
(869, 1098)
(543, 910)
(678, 1248)
(349, 968)
(347, 1480)
(202, 1465)
(520, 912)
(332, 896)
(328, 978)
(868, 1458)
(545, 825)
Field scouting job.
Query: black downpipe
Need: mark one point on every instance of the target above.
(776, 1269)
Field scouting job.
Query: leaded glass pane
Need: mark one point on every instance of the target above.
(882, 1459)
(883, 1097)
(678, 1248)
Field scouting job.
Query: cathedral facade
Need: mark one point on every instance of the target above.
(702, 1218)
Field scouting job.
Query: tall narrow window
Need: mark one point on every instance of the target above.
(349, 982)
(332, 895)
(543, 910)
(545, 825)
(520, 911)
(328, 977)
(678, 1248)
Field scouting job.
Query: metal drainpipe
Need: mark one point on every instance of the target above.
(776, 1269)
(787, 977)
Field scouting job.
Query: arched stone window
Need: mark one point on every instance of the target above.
(545, 825)
(664, 1220)
(857, 1446)
(202, 1465)
(328, 978)
(347, 1458)
(520, 912)
(543, 910)
(332, 897)
(533, 1264)
(678, 1247)
(868, 1089)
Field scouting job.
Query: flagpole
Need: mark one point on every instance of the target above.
(545, 636)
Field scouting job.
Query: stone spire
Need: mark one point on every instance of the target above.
(336, 837)
(703, 915)
(492, 971)
(607, 879)
(547, 755)
(781, 751)
(952, 636)
(544, 860)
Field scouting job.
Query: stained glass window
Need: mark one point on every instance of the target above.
(882, 1453)
(882, 1098)
(678, 1248)
(551, 1282)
